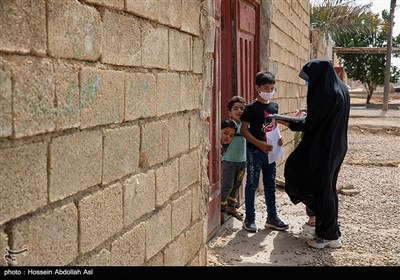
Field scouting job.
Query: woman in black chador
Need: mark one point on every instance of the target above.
(311, 170)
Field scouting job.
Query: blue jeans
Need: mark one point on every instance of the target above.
(257, 161)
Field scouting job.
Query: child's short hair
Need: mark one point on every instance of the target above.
(235, 99)
(228, 123)
(265, 77)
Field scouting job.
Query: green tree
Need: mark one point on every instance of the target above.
(352, 25)
(342, 18)
(368, 68)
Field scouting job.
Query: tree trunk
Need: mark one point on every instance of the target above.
(370, 90)
(369, 96)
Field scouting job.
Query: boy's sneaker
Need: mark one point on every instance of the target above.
(250, 226)
(276, 223)
(321, 243)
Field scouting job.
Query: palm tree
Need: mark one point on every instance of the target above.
(339, 18)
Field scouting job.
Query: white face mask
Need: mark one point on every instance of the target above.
(266, 95)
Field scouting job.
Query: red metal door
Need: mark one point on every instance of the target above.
(246, 49)
(214, 158)
(246, 27)
(235, 64)
(240, 50)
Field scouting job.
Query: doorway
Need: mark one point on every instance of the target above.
(236, 60)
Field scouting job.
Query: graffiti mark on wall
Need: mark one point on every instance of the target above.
(68, 107)
(77, 52)
(10, 255)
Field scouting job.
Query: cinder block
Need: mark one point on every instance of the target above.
(5, 100)
(121, 152)
(180, 50)
(140, 96)
(194, 239)
(103, 258)
(158, 231)
(163, 11)
(154, 147)
(154, 46)
(157, 260)
(198, 130)
(198, 53)
(143, 8)
(121, 44)
(178, 134)
(175, 253)
(33, 96)
(188, 162)
(67, 96)
(170, 12)
(195, 261)
(168, 93)
(23, 26)
(52, 237)
(140, 196)
(197, 199)
(190, 93)
(100, 217)
(75, 163)
(74, 30)
(102, 97)
(167, 182)
(181, 213)
(200, 259)
(23, 177)
(191, 16)
(117, 4)
(129, 249)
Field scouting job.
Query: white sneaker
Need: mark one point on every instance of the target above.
(321, 243)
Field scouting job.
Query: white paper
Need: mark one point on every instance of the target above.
(272, 139)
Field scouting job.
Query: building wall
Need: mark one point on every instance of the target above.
(104, 139)
(284, 48)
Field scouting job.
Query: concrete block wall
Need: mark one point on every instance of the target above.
(103, 131)
(284, 48)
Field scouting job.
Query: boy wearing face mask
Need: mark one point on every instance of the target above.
(255, 124)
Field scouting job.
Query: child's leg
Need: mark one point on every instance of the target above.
(228, 175)
(252, 180)
(238, 180)
(269, 174)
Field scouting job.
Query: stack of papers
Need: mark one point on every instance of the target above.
(287, 118)
(272, 139)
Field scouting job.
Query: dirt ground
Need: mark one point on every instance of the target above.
(369, 209)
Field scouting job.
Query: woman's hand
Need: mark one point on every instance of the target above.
(283, 122)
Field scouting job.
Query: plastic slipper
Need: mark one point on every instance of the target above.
(311, 221)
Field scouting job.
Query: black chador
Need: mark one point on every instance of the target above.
(311, 170)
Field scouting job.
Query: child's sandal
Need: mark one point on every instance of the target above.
(235, 214)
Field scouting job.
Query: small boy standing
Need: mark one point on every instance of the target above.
(234, 163)
(255, 125)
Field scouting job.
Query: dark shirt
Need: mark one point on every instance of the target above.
(256, 114)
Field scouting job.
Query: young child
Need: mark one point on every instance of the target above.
(228, 130)
(255, 125)
(234, 163)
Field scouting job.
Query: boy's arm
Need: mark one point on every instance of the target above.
(263, 146)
